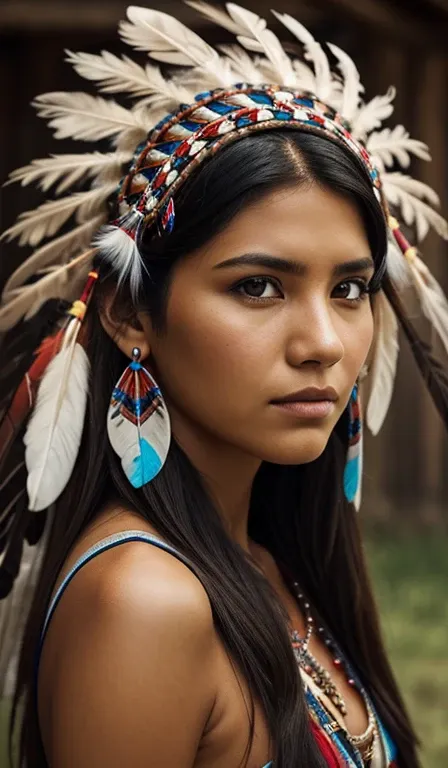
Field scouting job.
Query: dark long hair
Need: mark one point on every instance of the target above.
(298, 513)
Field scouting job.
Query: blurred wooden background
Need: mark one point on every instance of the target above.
(397, 42)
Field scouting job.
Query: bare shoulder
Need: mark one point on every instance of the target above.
(133, 635)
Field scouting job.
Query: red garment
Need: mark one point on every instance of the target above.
(325, 746)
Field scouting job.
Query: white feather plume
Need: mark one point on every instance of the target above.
(63, 282)
(57, 250)
(397, 266)
(33, 226)
(242, 64)
(384, 363)
(372, 114)
(304, 75)
(167, 39)
(323, 79)
(123, 75)
(70, 168)
(53, 435)
(395, 144)
(216, 15)
(255, 36)
(408, 195)
(352, 88)
(84, 117)
(433, 301)
(122, 254)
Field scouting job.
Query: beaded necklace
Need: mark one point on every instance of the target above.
(363, 743)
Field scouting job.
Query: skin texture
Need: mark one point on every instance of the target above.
(131, 658)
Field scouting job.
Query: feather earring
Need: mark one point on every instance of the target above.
(353, 466)
(138, 423)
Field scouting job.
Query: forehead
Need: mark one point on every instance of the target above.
(303, 222)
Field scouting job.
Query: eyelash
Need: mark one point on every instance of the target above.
(362, 285)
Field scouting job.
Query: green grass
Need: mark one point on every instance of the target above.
(411, 578)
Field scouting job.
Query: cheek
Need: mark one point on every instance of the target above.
(211, 357)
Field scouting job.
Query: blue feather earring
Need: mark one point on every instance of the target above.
(353, 466)
(138, 423)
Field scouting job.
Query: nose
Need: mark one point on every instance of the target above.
(314, 339)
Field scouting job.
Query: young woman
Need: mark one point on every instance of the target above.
(204, 600)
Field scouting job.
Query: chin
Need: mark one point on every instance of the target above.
(301, 448)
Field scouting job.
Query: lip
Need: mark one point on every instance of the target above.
(308, 395)
(307, 409)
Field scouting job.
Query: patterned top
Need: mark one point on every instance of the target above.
(331, 739)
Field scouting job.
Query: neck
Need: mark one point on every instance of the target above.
(228, 474)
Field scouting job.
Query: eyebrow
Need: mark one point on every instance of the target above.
(292, 267)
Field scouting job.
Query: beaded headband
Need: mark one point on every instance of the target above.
(180, 142)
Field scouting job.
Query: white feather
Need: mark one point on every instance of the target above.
(409, 194)
(57, 250)
(397, 266)
(216, 15)
(384, 363)
(304, 76)
(323, 79)
(353, 88)
(122, 255)
(167, 39)
(242, 64)
(84, 117)
(373, 114)
(389, 145)
(256, 37)
(33, 226)
(433, 301)
(122, 75)
(358, 495)
(72, 168)
(61, 283)
(53, 435)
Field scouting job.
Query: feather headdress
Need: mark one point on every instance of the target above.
(170, 125)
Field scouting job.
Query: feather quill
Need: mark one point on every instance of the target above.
(33, 226)
(53, 435)
(372, 114)
(255, 36)
(384, 364)
(323, 79)
(69, 168)
(61, 283)
(389, 145)
(167, 39)
(84, 117)
(408, 195)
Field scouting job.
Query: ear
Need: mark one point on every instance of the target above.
(128, 332)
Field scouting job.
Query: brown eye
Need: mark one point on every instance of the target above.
(352, 290)
(258, 288)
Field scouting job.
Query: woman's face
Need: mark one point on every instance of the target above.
(273, 304)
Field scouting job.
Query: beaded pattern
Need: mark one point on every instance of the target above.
(355, 751)
(181, 141)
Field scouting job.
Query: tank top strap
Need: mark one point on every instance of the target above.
(103, 545)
